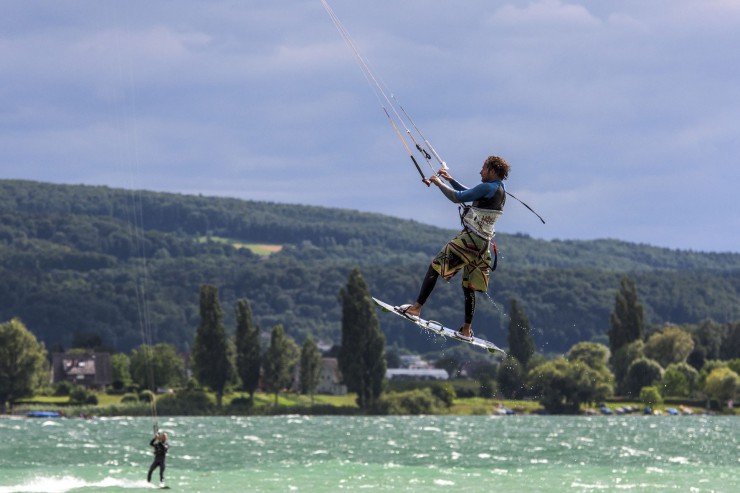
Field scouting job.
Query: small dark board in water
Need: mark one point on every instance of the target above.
(438, 328)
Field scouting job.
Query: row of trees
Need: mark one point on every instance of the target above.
(668, 359)
(218, 361)
(676, 361)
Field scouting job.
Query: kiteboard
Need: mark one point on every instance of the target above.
(438, 328)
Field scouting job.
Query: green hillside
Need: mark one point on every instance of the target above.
(85, 259)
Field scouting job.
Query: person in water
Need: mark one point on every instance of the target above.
(159, 442)
(470, 250)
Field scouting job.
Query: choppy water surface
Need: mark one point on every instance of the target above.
(407, 454)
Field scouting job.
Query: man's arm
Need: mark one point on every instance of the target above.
(469, 195)
(479, 191)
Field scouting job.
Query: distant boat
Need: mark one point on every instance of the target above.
(43, 414)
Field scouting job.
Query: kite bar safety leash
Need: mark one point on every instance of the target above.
(525, 205)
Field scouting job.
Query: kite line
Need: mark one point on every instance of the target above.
(385, 103)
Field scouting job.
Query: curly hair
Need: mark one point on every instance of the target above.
(499, 165)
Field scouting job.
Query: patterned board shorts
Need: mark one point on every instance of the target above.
(469, 252)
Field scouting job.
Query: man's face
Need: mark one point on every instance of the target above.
(487, 174)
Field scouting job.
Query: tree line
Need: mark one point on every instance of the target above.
(666, 361)
(219, 362)
(646, 363)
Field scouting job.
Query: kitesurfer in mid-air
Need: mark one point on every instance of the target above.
(159, 442)
(470, 250)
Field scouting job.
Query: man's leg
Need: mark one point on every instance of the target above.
(161, 471)
(427, 286)
(469, 311)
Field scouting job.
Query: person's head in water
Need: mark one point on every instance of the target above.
(498, 165)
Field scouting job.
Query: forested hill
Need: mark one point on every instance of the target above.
(91, 259)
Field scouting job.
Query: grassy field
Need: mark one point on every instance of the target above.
(461, 406)
(256, 248)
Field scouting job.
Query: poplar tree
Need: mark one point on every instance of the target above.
(247, 341)
(212, 358)
(521, 343)
(627, 319)
(310, 367)
(279, 362)
(361, 356)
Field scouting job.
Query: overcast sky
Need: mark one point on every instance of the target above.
(620, 119)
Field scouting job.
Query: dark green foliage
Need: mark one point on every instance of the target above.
(414, 402)
(78, 395)
(70, 260)
(679, 380)
(592, 354)
(361, 356)
(643, 372)
(562, 386)
(22, 362)
(731, 346)
(212, 361)
(521, 343)
(599, 381)
(146, 396)
(121, 366)
(129, 398)
(627, 319)
(445, 393)
(185, 403)
(62, 388)
(708, 339)
(650, 396)
(669, 345)
(279, 361)
(488, 386)
(511, 378)
(240, 406)
(156, 366)
(621, 361)
(247, 342)
(310, 367)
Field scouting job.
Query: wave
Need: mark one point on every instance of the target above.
(70, 483)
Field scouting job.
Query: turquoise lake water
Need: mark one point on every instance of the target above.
(694, 454)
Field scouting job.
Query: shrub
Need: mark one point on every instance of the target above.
(62, 388)
(410, 402)
(240, 405)
(186, 403)
(643, 372)
(129, 398)
(146, 396)
(445, 393)
(78, 394)
(650, 396)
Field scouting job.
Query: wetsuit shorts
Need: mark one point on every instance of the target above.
(469, 252)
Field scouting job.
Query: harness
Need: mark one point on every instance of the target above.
(494, 203)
